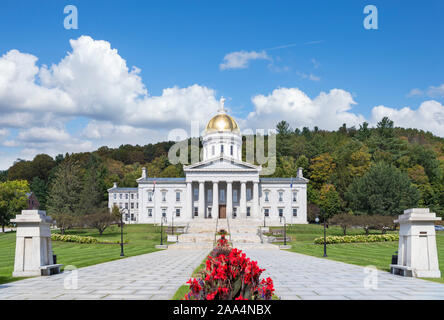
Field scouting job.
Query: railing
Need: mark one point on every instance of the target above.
(215, 232)
(229, 231)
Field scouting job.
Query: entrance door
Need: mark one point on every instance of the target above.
(222, 211)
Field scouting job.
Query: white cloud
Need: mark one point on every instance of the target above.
(328, 110)
(240, 59)
(431, 92)
(428, 117)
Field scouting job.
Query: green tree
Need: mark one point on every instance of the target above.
(382, 190)
(39, 187)
(13, 199)
(65, 189)
(93, 189)
(329, 200)
(321, 169)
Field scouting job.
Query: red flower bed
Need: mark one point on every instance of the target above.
(230, 275)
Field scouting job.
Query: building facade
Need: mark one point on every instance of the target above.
(220, 186)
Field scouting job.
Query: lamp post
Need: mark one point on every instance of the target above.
(121, 232)
(325, 232)
(264, 216)
(162, 220)
(285, 229)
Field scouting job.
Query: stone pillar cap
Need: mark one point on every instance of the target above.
(417, 214)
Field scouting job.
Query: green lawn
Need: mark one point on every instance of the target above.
(142, 239)
(363, 254)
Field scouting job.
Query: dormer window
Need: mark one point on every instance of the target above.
(150, 196)
(295, 196)
(231, 150)
(281, 196)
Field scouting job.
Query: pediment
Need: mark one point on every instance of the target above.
(222, 164)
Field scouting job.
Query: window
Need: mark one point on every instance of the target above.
(281, 212)
(137, 205)
(221, 148)
(281, 196)
(209, 212)
(177, 196)
(231, 150)
(196, 194)
(164, 196)
(120, 195)
(213, 150)
(248, 211)
(295, 212)
(132, 205)
(234, 195)
(133, 218)
(120, 205)
(132, 196)
(126, 205)
(150, 196)
(164, 212)
(150, 212)
(234, 212)
(196, 211)
(267, 212)
(248, 194)
(295, 196)
(210, 195)
(115, 196)
(126, 196)
(177, 212)
(266, 196)
(222, 195)
(126, 216)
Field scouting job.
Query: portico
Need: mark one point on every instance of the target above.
(239, 198)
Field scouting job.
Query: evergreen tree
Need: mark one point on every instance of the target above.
(65, 190)
(39, 187)
(382, 190)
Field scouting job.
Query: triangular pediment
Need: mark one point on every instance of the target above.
(222, 164)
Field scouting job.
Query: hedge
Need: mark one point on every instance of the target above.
(80, 239)
(358, 238)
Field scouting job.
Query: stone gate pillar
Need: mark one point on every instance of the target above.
(417, 253)
(33, 250)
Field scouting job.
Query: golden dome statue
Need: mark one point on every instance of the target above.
(222, 121)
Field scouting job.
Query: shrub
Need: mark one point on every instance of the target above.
(81, 239)
(357, 238)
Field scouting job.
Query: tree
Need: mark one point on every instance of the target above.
(329, 200)
(13, 199)
(321, 169)
(39, 187)
(101, 219)
(359, 163)
(93, 189)
(382, 190)
(385, 128)
(65, 189)
(344, 220)
(283, 128)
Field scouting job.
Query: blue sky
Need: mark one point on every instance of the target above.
(315, 65)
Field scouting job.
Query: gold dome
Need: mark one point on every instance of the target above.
(222, 122)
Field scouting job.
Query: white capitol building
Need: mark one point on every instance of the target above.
(220, 186)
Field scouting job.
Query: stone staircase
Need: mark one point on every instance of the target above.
(201, 233)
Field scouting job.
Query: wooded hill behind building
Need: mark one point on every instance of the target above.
(381, 170)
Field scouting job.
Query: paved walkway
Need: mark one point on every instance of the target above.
(153, 276)
(298, 276)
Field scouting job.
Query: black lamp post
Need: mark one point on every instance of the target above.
(164, 219)
(264, 218)
(325, 232)
(285, 229)
(121, 233)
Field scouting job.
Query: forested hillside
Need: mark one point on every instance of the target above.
(380, 170)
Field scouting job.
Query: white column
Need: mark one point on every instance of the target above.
(255, 208)
(243, 200)
(215, 211)
(201, 199)
(229, 199)
(189, 200)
